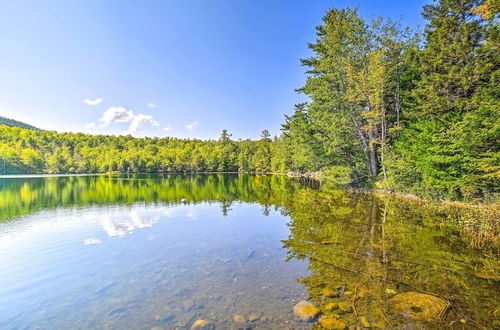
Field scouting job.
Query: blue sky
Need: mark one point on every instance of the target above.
(185, 68)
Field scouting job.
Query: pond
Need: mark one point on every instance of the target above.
(233, 252)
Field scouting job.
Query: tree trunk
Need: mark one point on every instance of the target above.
(373, 159)
(368, 147)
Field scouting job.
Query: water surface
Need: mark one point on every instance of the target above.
(145, 251)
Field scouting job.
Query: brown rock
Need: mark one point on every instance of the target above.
(331, 322)
(201, 324)
(329, 292)
(418, 306)
(306, 311)
(239, 318)
(331, 306)
(344, 307)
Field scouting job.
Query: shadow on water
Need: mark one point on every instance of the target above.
(371, 261)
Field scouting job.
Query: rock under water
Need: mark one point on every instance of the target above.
(419, 306)
(306, 311)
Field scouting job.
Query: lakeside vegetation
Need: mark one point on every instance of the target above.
(389, 108)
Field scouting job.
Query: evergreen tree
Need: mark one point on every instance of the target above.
(456, 89)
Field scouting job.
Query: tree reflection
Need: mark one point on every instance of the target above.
(362, 250)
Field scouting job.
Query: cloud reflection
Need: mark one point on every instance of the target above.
(121, 226)
(91, 241)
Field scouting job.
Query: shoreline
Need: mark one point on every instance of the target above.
(481, 220)
(317, 175)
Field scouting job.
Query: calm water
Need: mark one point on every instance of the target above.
(128, 252)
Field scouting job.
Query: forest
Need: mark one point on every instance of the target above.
(388, 108)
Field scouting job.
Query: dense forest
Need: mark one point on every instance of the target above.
(28, 151)
(388, 108)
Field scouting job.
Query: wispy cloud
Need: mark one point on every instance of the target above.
(192, 126)
(140, 122)
(152, 105)
(92, 102)
(90, 241)
(168, 128)
(116, 115)
(91, 126)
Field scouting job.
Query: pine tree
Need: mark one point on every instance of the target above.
(456, 69)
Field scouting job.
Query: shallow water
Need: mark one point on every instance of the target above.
(127, 252)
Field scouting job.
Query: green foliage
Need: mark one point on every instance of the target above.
(29, 151)
(450, 144)
(339, 175)
(409, 116)
(354, 81)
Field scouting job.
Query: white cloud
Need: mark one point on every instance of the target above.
(192, 126)
(152, 105)
(168, 128)
(91, 126)
(90, 241)
(116, 115)
(140, 121)
(92, 102)
(122, 115)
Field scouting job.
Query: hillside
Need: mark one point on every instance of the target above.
(15, 123)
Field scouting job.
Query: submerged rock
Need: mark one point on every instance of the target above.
(331, 322)
(344, 307)
(201, 324)
(331, 306)
(419, 306)
(239, 318)
(364, 322)
(328, 292)
(306, 311)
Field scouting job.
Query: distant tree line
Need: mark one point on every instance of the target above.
(28, 151)
(387, 107)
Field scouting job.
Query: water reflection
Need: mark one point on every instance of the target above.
(382, 263)
(90, 241)
(150, 260)
(119, 226)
